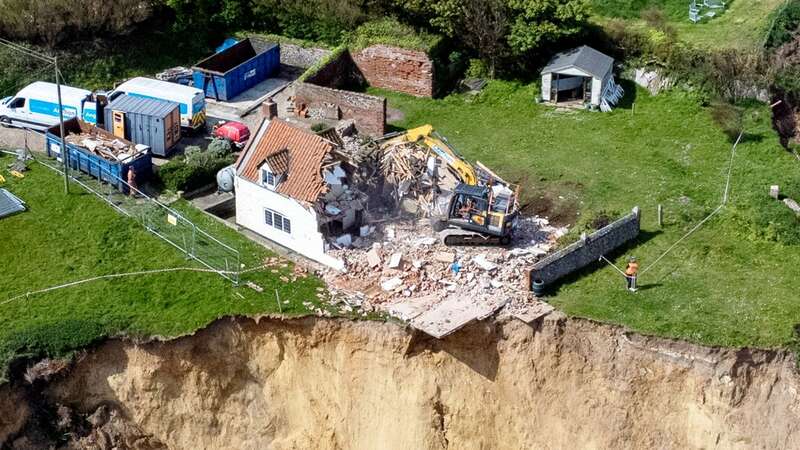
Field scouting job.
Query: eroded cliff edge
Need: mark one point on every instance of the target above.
(339, 384)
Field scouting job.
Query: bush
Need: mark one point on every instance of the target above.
(786, 22)
(55, 21)
(477, 69)
(589, 223)
(788, 80)
(730, 118)
(197, 168)
(220, 147)
(175, 175)
(771, 221)
(630, 42)
(389, 31)
(319, 126)
(654, 17)
(311, 71)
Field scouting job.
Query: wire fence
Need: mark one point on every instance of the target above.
(725, 197)
(156, 217)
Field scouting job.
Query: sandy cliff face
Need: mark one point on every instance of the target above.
(334, 384)
(14, 412)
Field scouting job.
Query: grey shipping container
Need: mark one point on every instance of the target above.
(143, 120)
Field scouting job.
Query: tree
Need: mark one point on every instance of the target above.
(54, 21)
(536, 22)
(480, 25)
(485, 24)
(323, 20)
(194, 15)
(494, 29)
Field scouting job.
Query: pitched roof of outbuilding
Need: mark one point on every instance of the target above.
(584, 58)
(302, 151)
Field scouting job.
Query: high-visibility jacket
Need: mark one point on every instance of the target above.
(633, 268)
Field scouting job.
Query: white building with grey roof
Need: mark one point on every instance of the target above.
(581, 76)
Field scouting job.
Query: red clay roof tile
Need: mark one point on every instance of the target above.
(305, 152)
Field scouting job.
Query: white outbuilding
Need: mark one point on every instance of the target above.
(581, 76)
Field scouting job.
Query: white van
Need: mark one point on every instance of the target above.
(36, 106)
(192, 101)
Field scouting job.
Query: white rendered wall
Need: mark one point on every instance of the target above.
(305, 238)
(597, 90)
(547, 79)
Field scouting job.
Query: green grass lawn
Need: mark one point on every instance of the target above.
(733, 283)
(743, 23)
(64, 238)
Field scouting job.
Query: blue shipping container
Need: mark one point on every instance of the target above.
(236, 69)
(112, 172)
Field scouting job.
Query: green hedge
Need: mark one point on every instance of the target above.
(277, 38)
(311, 71)
(389, 31)
(197, 168)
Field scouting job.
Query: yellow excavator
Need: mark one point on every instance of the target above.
(482, 207)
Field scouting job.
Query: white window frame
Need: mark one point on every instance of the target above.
(278, 221)
(265, 176)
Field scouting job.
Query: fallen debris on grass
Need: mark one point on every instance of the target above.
(411, 275)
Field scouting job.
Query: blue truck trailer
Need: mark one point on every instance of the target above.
(97, 152)
(226, 74)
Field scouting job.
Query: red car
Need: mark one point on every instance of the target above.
(236, 132)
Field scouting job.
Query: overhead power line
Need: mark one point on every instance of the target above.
(32, 53)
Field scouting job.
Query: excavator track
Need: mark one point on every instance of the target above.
(459, 237)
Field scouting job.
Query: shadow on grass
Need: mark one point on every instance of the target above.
(394, 129)
(750, 138)
(644, 237)
(647, 287)
(627, 100)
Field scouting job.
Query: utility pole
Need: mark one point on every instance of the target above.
(54, 61)
(64, 152)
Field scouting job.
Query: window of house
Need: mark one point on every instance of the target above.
(268, 217)
(277, 220)
(268, 178)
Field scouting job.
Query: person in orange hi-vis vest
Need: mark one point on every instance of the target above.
(630, 273)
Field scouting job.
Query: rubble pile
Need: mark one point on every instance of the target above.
(106, 148)
(409, 169)
(404, 163)
(375, 216)
(175, 74)
(341, 207)
(20, 164)
(406, 263)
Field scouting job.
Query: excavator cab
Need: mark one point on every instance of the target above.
(479, 215)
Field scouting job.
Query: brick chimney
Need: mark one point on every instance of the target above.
(269, 109)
